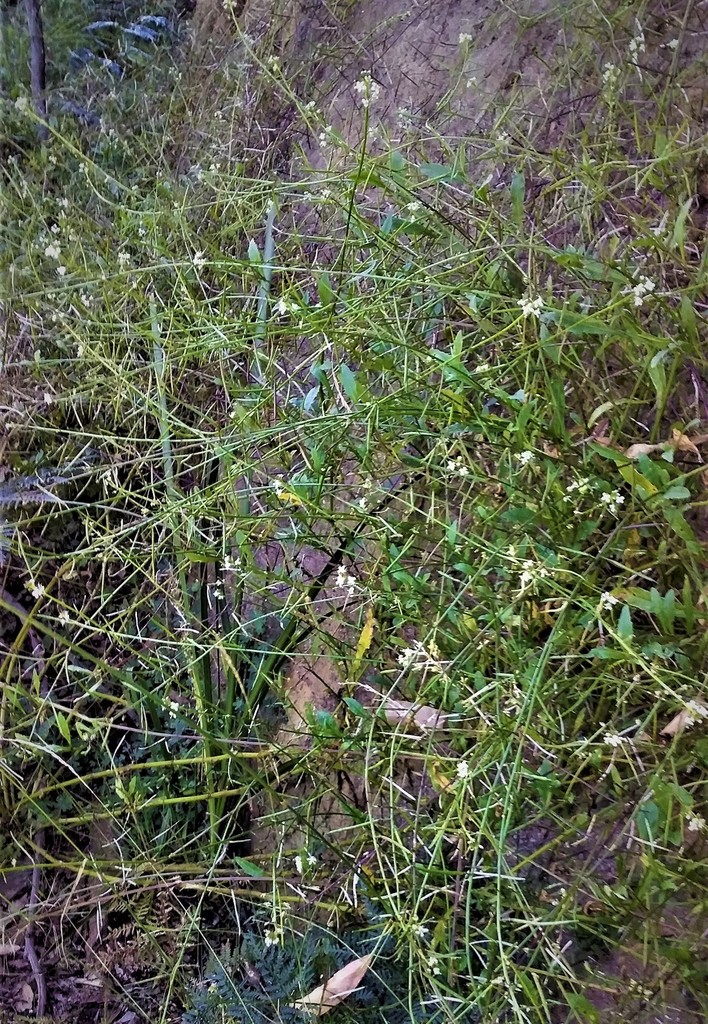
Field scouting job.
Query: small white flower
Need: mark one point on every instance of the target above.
(64, 617)
(22, 104)
(696, 710)
(639, 291)
(695, 823)
(457, 467)
(433, 965)
(281, 307)
(462, 769)
(36, 590)
(311, 860)
(672, 44)
(610, 75)
(61, 271)
(55, 229)
(273, 937)
(368, 89)
(278, 486)
(414, 206)
(420, 931)
(613, 500)
(231, 564)
(298, 864)
(199, 259)
(525, 458)
(607, 600)
(123, 259)
(53, 251)
(463, 38)
(613, 739)
(343, 579)
(531, 307)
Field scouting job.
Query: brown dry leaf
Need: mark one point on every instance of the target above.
(424, 716)
(682, 443)
(9, 948)
(685, 719)
(325, 997)
(24, 998)
(636, 450)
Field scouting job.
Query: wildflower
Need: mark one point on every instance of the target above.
(531, 573)
(531, 307)
(525, 458)
(612, 499)
(433, 965)
(311, 860)
(471, 82)
(281, 307)
(462, 769)
(278, 487)
(696, 711)
(414, 206)
(55, 229)
(464, 38)
(61, 271)
(644, 286)
(637, 44)
(420, 931)
(672, 44)
(482, 368)
(273, 62)
(298, 864)
(36, 589)
(22, 104)
(368, 89)
(695, 823)
(123, 259)
(273, 937)
(613, 739)
(457, 467)
(231, 564)
(199, 260)
(64, 617)
(53, 251)
(418, 657)
(607, 600)
(610, 75)
(172, 708)
(343, 579)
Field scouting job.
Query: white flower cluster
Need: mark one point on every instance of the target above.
(696, 712)
(610, 75)
(457, 467)
(418, 657)
(525, 458)
(637, 44)
(639, 291)
(344, 579)
(530, 306)
(614, 740)
(607, 601)
(613, 500)
(531, 573)
(368, 89)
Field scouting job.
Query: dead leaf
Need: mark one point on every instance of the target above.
(424, 716)
(325, 997)
(9, 948)
(24, 999)
(636, 450)
(688, 716)
(365, 640)
(680, 442)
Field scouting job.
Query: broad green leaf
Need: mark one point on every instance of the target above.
(349, 383)
(249, 868)
(625, 628)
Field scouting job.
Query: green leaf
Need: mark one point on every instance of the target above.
(579, 323)
(518, 194)
(677, 493)
(63, 724)
(249, 868)
(625, 627)
(648, 817)
(438, 172)
(349, 383)
(637, 480)
(253, 252)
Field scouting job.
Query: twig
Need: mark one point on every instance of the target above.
(30, 952)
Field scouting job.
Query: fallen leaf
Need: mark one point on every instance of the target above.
(24, 999)
(365, 640)
(9, 948)
(424, 716)
(635, 451)
(688, 716)
(325, 997)
(683, 443)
